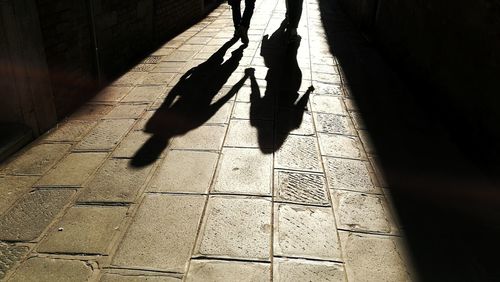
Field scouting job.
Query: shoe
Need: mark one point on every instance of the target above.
(243, 31)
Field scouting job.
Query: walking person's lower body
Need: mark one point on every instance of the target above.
(242, 23)
(293, 14)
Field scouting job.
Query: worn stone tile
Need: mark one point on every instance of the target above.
(181, 56)
(222, 115)
(198, 40)
(111, 94)
(32, 214)
(185, 171)
(145, 93)
(351, 105)
(357, 118)
(163, 233)
(115, 181)
(140, 277)
(236, 228)
(131, 144)
(218, 271)
(47, 269)
(329, 78)
(160, 78)
(244, 171)
(295, 122)
(129, 79)
(245, 111)
(70, 131)
(126, 111)
(12, 188)
(302, 188)
(382, 258)
(141, 124)
(207, 137)
(334, 124)
(298, 270)
(299, 152)
(250, 134)
(365, 138)
(10, 255)
(73, 170)
(305, 232)
(362, 212)
(334, 145)
(91, 112)
(350, 175)
(37, 160)
(327, 104)
(106, 135)
(84, 230)
(169, 67)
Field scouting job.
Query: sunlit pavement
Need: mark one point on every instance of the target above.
(265, 188)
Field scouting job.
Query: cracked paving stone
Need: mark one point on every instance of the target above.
(341, 146)
(299, 152)
(305, 232)
(12, 188)
(298, 270)
(236, 228)
(250, 134)
(10, 254)
(131, 144)
(361, 212)
(218, 271)
(381, 258)
(185, 171)
(73, 170)
(37, 160)
(106, 135)
(295, 122)
(112, 94)
(73, 130)
(84, 230)
(126, 111)
(327, 104)
(303, 188)
(244, 171)
(48, 270)
(162, 234)
(334, 124)
(147, 93)
(350, 175)
(32, 214)
(207, 137)
(114, 277)
(91, 112)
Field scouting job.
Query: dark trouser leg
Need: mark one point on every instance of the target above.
(294, 11)
(247, 15)
(236, 8)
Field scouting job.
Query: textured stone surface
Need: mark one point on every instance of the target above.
(299, 152)
(31, 215)
(334, 124)
(126, 111)
(207, 137)
(73, 130)
(185, 171)
(236, 228)
(106, 135)
(131, 144)
(244, 171)
(84, 230)
(243, 111)
(10, 254)
(112, 94)
(362, 212)
(91, 112)
(12, 188)
(341, 146)
(242, 133)
(129, 79)
(73, 170)
(380, 258)
(305, 232)
(357, 118)
(114, 277)
(47, 269)
(163, 233)
(327, 104)
(218, 271)
(304, 188)
(158, 78)
(350, 175)
(37, 160)
(288, 122)
(145, 93)
(222, 115)
(297, 270)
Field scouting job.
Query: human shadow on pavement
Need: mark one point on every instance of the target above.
(190, 102)
(281, 99)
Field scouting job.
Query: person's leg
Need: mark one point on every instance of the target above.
(294, 12)
(247, 15)
(236, 8)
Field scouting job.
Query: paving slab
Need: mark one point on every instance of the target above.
(247, 134)
(219, 271)
(106, 135)
(129, 79)
(298, 270)
(91, 112)
(236, 228)
(131, 144)
(114, 277)
(111, 94)
(32, 214)
(253, 111)
(207, 137)
(222, 115)
(145, 93)
(352, 175)
(39, 269)
(160, 78)
(305, 232)
(185, 172)
(127, 111)
(70, 131)
(244, 171)
(335, 145)
(12, 188)
(301, 188)
(334, 124)
(163, 233)
(84, 230)
(295, 121)
(37, 160)
(327, 104)
(10, 255)
(299, 153)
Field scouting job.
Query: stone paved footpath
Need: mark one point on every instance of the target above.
(260, 191)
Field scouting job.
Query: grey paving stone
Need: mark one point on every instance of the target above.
(288, 122)
(299, 152)
(298, 270)
(10, 255)
(151, 277)
(129, 79)
(362, 212)
(302, 188)
(147, 93)
(244, 111)
(73, 170)
(163, 233)
(222, 115)
(70, 131)
(181, 56)
(37, 160)
(12, 188)
(131, 144)
(350, 175)
(244, 171)
(49, 270)
(84, 230)
(91, 112)
(242, 133)
(378, 257)
(207, 137)
(106, 135)
(185, 172)
(341, 146)
(236, 228)
(327, 104)
(305, 232)
(334, 124)
(126, 111)
(330, 78)
(111, 94)
(160, 78)
(32, 214)
(218, 271)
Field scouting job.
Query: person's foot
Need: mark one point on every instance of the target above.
(243, 31)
